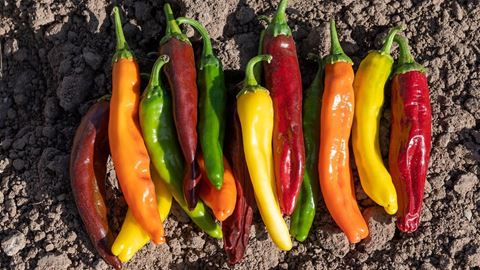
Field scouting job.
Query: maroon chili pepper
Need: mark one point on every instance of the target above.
(410, 140)
(181, 75)
(88, 168)
(284, 81)
(236, 228)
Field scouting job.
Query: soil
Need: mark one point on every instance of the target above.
(56, 61)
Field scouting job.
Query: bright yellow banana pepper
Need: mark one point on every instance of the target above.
(132, 237)
(369, 85)
(255, 110)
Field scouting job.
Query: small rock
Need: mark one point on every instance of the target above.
(381, 227)
(53, 262)
(245, 15)
(10, 47)
(443, 140)
(473, 260)
(20, 143)
(43, 15)
(18, 164)
(51, 109)
(13, 243)
(73, 90)
(2, 198)
(11, 207)
(92, 59)
(49, 247)
(465, 183)
(4, 163)
(468, 214)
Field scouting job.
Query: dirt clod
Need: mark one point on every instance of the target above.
(381, 227)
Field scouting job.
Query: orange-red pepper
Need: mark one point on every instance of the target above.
(221, 201)
(129, 154)
(334, 157)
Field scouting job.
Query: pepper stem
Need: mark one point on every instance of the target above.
(249, 72)
(278, 25)
(122, 49)
(406, 62)
(155, 75)
(207, 44)
(387, 46)
(336, 52)
(172, 26)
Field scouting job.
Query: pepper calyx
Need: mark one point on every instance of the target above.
(122, 50)
(406, 62)
(278, 26)
(209, 60)
(173, 30)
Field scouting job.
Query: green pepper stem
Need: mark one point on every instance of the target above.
(157, 67)
(278, 25)
(257, 70)
(405, 55)
(207, 44)
(280, 14)
(172, 26)
(121, 42)
(387, 46)
(336, 52)
(249, 72)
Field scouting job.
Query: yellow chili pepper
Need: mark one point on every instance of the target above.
(255, 110)
(132, 237)
(369, 85)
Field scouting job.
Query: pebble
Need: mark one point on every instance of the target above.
(12, 244)
(49, 247)
(465, 183)
(18, 164)
(381, 227)
(53, 262)
(468, 214)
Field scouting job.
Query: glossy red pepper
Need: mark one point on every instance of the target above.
(410, 140)
(182, 77)
(236, 228)
(283, 79)
(88, 168)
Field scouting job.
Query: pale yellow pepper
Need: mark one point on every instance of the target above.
(255, 110)
(132, 237)
(369, 87)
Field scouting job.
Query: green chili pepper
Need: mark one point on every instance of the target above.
(304, 213)
(211, 108)
(160, 137)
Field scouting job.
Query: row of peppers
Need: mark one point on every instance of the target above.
(280, 142)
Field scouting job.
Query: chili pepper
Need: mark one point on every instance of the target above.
(88, 169)
(181, 75)
(410, 138)
(132, 237)
(211, 107)
(236, 228)
(255, 111)
(369, 85)
(304, 213)
(284, 81)
(129, 154)
(161, 140)
(338, 104)
(222, 202)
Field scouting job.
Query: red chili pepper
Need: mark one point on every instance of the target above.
(410, 140)
(182, 77)
(88, 168)
(236, 228)
(284, 81)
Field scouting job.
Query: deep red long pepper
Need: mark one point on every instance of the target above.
(410, 140)
(283, 79)
(182, 77)
(236, 228)
(88, 168)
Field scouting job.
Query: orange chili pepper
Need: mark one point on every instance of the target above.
(336, 121)
(222, 201)
(129, 154)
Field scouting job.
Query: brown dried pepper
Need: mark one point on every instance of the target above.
(88, 168)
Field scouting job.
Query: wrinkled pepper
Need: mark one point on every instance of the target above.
(211, 107)
(236, 228)
(302, 217)
(255, 111)
(369, 85)
(338, 105)
(221, 201)
(283, 79)
(132, 237)
(410, 138)
(88, 171)
(182, 76)
(158, 128)
(129, 154)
